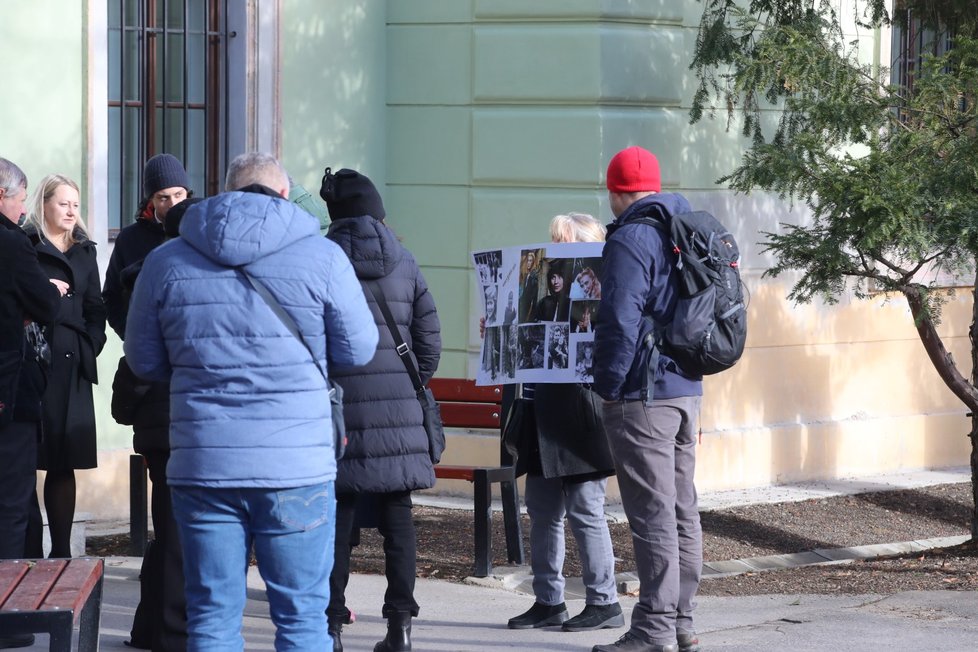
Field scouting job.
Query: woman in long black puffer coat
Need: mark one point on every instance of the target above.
(387, 454)
(77, 336)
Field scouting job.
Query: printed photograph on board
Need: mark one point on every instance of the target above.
(530, 285)
(538, 307)
(557, 346)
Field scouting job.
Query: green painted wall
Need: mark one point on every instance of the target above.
(42, 114)
(333, 88)
(503, 113)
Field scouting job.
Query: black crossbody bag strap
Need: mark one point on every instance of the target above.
(284, 317)
(403, 351)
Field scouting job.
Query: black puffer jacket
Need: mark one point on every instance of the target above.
(388, 447)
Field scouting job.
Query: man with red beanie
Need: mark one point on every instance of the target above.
(651, 406)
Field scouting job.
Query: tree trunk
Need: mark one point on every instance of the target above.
(973, 336)
(952, 377)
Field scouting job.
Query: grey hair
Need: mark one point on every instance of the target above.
(255, 167)
(12, 178)
(576, 227)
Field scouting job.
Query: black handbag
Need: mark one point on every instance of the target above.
(429, 406)
(335, 390)
(520, 434)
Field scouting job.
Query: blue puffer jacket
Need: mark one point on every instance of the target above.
(388, 447)
(248, 406)
(638, 277)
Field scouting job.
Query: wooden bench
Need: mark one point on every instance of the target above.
(50, 596)
(465, 405)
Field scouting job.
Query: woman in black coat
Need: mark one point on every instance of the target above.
(567, 462)
(76, 337)
(387, 454)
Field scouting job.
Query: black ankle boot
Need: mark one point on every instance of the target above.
(398, 637)
(335, 628)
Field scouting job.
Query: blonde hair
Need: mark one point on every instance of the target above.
(576, 227)
(44, 191)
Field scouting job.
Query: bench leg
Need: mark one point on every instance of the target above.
(88, 620)
(483, 524)
(510, 494)
(137, 506)
(60, 632)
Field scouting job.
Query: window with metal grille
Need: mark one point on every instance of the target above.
(167, 93)
(913, 39)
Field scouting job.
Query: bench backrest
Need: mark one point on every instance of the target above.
(466, 405)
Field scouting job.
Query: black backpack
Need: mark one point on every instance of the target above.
(709, 327)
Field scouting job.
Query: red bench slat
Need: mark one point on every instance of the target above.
(10, 574)
(458, 389)
(455, 472)
(34, 587)
(75, 584)
(470, 415)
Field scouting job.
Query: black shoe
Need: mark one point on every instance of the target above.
(398, 637)
(687, 641)
(595, 616)
(335, 631)
(17, 640)
(540, 615)
(630, 642)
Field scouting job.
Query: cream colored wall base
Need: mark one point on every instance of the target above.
(733, 459)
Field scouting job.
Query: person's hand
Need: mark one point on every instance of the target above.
(482, 327)
(63, 287)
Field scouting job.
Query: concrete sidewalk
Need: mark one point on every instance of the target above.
(466, 617)
(472, 616)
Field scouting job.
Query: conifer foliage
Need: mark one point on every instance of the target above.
(889, 170)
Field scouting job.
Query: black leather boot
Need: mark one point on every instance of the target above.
(398, 637)
(335, 631)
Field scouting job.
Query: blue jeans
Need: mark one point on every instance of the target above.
(292, 532)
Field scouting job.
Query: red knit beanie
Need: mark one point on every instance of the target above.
(634, 170)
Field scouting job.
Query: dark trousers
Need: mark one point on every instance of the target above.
(160, 622)
(654, 448)
(394, 521)
(18, 478)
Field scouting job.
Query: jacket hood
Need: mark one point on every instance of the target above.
(370, 245)
(237, 228)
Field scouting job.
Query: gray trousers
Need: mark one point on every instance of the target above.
(547, 502)
(654, 448)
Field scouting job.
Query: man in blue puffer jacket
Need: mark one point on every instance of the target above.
(651, 426)
(252, 458)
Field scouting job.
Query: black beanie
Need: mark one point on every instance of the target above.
(163, 171)
(350, 194)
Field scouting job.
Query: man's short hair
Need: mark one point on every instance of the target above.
(256, 167)
(12, 178)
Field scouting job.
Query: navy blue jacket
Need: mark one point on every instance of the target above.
(388, 448)
(638, 278)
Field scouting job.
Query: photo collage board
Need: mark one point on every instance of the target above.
(539, 304)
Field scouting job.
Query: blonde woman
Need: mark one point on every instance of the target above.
(57, 229)
(567, 474)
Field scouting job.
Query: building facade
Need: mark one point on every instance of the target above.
(479, 120)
